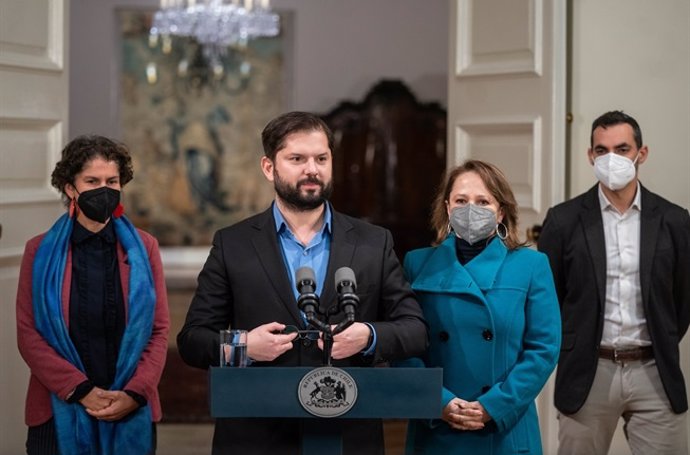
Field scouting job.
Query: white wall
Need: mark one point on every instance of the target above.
(634, 55)
(339, 50)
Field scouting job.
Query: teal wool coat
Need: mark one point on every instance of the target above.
(495, 329)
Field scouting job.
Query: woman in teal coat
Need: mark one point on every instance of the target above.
(493, 319)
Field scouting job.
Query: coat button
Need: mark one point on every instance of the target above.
(488, 336)
(443, 336)
(306, 342)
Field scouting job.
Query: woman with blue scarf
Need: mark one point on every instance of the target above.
(494, 323)
(92, 315)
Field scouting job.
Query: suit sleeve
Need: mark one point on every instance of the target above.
(417, 361)
(681, 282)
(507, 400)
(209, 312)
(401, 330)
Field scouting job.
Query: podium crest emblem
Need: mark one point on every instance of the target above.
(327, 392)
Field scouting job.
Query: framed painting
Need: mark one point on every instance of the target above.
(193, 128)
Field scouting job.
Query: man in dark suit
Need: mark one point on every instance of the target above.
(620, 257)
(248, 282)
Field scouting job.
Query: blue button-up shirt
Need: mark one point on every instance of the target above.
(315, 255)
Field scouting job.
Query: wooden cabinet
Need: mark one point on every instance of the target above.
(389, 157)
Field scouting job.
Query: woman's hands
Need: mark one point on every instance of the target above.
(465, 415)
(110, 405)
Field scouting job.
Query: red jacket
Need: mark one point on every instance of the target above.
(50, 372)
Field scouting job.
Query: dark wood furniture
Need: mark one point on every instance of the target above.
(389, 158)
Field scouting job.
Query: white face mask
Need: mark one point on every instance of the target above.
(615, 171)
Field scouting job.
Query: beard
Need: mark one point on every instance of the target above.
(294, 197)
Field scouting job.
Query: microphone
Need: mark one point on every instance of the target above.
(346, 285)
(308, 301)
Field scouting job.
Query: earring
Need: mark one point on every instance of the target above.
(72, 207)
(504, 235)
(119, 210)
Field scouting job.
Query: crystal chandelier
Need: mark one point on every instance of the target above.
(215, 24)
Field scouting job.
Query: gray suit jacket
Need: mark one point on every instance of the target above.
(573, 238)
(244, 284)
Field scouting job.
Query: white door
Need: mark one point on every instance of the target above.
(506, 105)
(33, 126)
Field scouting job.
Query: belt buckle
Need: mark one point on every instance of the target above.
(615, 356)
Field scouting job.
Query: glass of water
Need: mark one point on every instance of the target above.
(233, 348)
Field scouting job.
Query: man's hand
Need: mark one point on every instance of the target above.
(350, 341)
(265, 343)
(120, 406)
(465, 415)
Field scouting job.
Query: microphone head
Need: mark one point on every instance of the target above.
(304, 274)
(345, 274)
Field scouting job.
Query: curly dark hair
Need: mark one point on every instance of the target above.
(83, 149)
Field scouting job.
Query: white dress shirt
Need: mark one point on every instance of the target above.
(625, 325)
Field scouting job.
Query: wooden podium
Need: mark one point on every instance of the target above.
(407, 393)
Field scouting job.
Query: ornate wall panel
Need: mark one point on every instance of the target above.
(514, 145)
(38, 45)
(512, 46)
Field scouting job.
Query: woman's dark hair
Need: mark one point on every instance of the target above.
(83, 149)
(497, 184)
(274, 134)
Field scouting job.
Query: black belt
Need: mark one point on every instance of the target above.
(626, 355)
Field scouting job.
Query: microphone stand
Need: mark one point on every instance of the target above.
(327, 347)
(325, 329)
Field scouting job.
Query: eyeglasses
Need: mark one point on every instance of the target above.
(301, 334)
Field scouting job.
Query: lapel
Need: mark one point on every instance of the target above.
(343, 243)
(485, 266)
(443, 272)
(650, 216)
(265, 242)
(593, 226)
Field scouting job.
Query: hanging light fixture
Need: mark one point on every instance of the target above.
(216, 25)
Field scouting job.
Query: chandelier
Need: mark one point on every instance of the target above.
(216, 25)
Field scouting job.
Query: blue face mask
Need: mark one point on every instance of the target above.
(473, 223)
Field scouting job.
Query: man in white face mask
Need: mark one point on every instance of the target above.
(620, 257)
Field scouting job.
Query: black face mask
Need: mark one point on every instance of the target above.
(99, 204)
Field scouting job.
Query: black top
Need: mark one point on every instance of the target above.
(467, 252)
(96, 311)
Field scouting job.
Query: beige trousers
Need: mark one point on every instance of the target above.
(631, 390)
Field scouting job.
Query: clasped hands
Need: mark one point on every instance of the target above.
(266, 343)
(109, 405)
(465, 415)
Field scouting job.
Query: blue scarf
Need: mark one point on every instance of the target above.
(77, 432)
